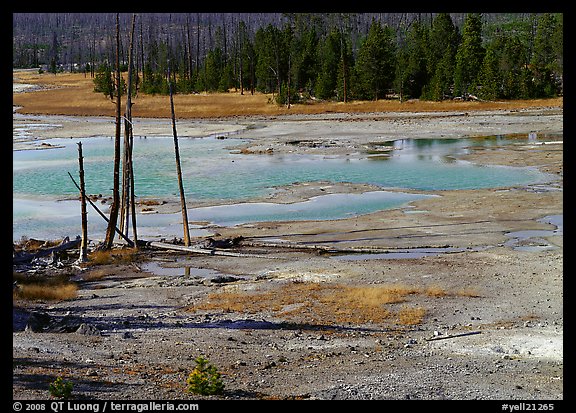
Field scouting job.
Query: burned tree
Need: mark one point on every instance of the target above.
(178, 168)
(128, 205)
(84, 243)
(111, 229)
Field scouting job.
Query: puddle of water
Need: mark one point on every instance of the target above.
(179, 269)
(325, 207)
(415, 211)
(399, 254)
(534, 240)
(62, 218)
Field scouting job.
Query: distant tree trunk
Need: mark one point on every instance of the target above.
(225, 62)
(189, 44)
(197, 42)
(142, 62)
(240, 77)
(289, 76)
(178, 169)
(343, 58)
(92, 55)
(111, 230)
(252, 81)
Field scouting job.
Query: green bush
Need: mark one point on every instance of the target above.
(61, 388)
(204, 379)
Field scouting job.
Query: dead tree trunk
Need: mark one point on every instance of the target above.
(132, 197)
(111, 230)
(127, 170)
(84, 213)
(178, 168)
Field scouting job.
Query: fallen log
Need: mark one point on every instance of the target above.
(205, 251)
(65, 245)
(452, 336)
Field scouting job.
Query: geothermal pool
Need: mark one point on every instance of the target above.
(213, 171)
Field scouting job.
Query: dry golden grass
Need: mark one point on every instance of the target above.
(316, 303)
(72, 94)
(411, 315)
(40, 292)
(118, 256)
(435, 291)
(95, 274)
(329, 303)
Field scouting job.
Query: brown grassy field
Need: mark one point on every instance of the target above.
(327, 302)
(72, 94)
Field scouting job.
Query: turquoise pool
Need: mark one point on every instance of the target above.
(213, 171)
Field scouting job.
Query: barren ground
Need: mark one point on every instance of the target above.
(300, 323)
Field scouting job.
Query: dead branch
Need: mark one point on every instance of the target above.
(65, 245)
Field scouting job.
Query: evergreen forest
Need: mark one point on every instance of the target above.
(306, 56)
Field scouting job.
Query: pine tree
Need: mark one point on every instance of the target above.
(212, 72)
(329, 58)
(375, 66)
(304, 61)
(443, 42)
(103, 81)
(513, 67)
(544, 61)
(246, 59)
(345, 65)
(412, 73)
(489, 77)
(469, 56)
(558, 47)
(267, 44)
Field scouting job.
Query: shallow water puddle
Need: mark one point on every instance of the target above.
(401, 254)
(324, 207)
(179, 269)
(534, 240)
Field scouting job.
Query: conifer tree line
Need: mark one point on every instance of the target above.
(302, 56)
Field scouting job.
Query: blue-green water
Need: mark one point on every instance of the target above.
(212, 171)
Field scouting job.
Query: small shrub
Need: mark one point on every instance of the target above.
(61, 388)
(204, 379)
